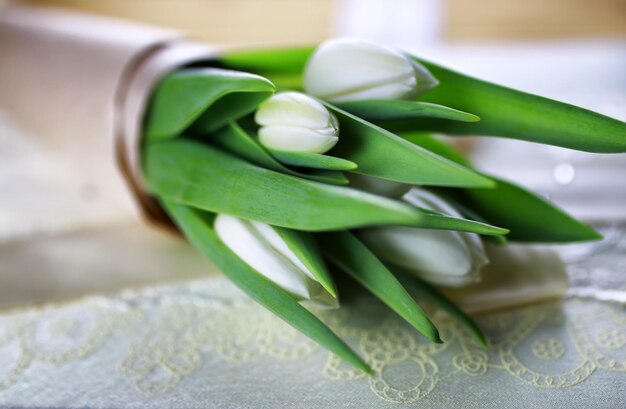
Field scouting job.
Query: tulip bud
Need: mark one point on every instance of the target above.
(291, 121)
(349, 69)
(259, 246)
(442, 257)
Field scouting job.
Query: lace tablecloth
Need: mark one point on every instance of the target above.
(205, 344)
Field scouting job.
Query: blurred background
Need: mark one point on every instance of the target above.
(571, 50)
(306, 21)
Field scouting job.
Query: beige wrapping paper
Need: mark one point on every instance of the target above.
(81, 84)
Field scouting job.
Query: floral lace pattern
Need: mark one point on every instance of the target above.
(170, 336)
(155, 342)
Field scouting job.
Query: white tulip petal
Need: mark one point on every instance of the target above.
(385, 91)
(240, 236)
(477, 250)
(347, 65)
(428, 200)
(442, 257)
(279, 244)
(293, 108)
(322, 299)
(291, 121)
(425, 80)
(259, 246)
(435, 252)
(293, 138)
(350, 69)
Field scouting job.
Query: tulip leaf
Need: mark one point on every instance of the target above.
(529, 217)
(380, 110)
(441, 148)
(427, 292)
(470, 214)
(514, 114)
(382, 154)
(313, 160)
(289, 60)
(282, 66)
(306, 249)
(198, 228)
(326, 176)
(233, 138)
(352, 256)
(440, 221)
(199, 175)
(208, 98)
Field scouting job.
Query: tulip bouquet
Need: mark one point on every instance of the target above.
(288, 167)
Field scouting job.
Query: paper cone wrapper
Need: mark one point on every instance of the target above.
(82, 83)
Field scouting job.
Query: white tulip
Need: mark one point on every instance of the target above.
(442, 257)
(292, 121)
(349, 69)
(259, 246)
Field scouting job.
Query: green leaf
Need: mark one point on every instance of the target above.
(380, 110)
(305, 248)
(441, 148)
(470, 214)
(313, 160)
(198, 228)
(514, 114)
(236, 140)
(283, 59)
(282, 66)
(198, 175)
(529, 217)
(325, 176)
(425, 291)
(440, 221)
(382, 154)
(352, 256)
(206, 97)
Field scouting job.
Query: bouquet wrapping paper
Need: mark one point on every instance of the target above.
(81, 85)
